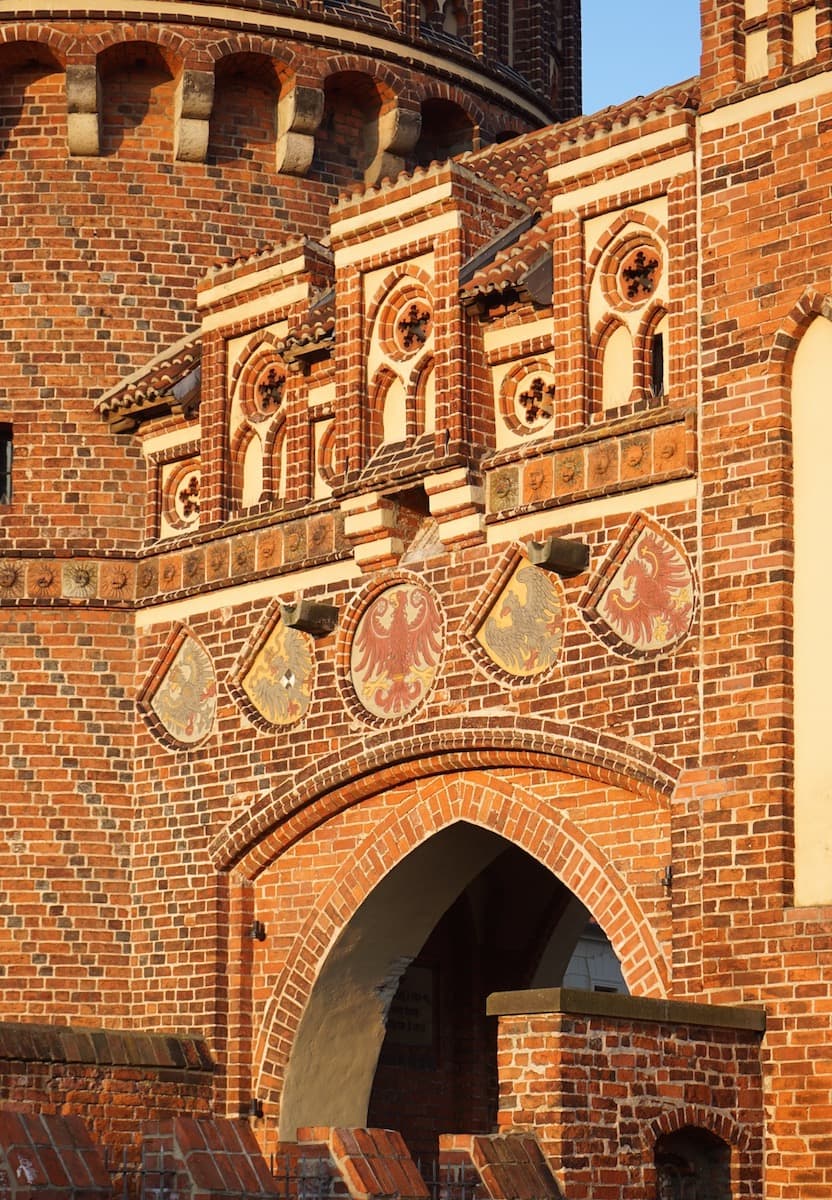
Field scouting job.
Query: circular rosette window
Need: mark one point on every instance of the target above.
(396, 651)
(527, 398)
(181, 495)
(263, 396)
(406, 321)
(633, 272)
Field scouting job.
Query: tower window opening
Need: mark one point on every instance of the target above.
(5, 464)
(657, 366)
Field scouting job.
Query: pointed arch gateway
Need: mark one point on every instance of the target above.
(318, 1048)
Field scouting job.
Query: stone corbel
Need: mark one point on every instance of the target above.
(82, 97)
(194, 101)
(299, 114)
(398, 133)
(457, 501)
(370, 524)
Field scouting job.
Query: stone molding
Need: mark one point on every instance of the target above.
(576, 1002)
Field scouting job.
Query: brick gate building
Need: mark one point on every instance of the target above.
(412, 567)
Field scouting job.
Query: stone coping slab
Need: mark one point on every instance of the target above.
(575, 1002)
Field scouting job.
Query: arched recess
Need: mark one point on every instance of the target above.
(348, 137)
(689, 1136)
(31, 82)
(244, 113)
(447, 130)
(811, 420)
(629, 350)
(693, 1162)
(652, 354)
(138, 90)
(356, 943)
(425, 397)
(257, 423)
(455, 19)
(613, 358)
(248, 479)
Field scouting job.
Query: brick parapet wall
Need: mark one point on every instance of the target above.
(599, 1079)
(114, 1079)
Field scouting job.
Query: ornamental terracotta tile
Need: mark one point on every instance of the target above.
(79, 580)
(340, 539)
(321, 536)
(185, 701)
(268, 549)
(170, 573)
(569, 472)
(279, 681)
(193, 569)
(396, 650)
(538, 480)
(669, 448)
(43, 580)
(523, 630)
(217, 562)
(503, 489)
(243, 556)
(117, 580)
(12, 580)
(147, 578)
(294, 541)
(645, 594)
(635, 457)
(603, 464)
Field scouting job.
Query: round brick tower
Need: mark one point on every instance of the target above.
(136, 150)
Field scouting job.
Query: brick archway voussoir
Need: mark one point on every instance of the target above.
(383, 760)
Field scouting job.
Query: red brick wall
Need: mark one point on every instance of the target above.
(765, 245)
(131, 868)
(66, 783)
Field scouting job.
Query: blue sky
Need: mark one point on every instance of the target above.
(632, 47)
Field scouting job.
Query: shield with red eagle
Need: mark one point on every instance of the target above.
(396, 650)
(649, 602)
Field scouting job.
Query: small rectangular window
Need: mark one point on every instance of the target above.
(5, 464)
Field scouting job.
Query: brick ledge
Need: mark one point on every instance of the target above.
(22, 1042)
